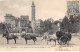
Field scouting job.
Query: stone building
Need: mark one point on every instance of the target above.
(23, 23)
(39, 26)
(39, 23)
(10, 19)
(18, 24)
(10, 22)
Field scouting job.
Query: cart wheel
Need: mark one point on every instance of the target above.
(63, 40)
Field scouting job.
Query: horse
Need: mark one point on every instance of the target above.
(48, 38)
(29, 37)
(10, 37)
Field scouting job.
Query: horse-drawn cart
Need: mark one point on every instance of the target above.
(63, 38)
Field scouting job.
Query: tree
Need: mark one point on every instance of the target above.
(65, 24)
(75, 23)
(47, 25)
(50, 26)
(71, 25)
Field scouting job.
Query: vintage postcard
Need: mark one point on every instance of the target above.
(39, 25)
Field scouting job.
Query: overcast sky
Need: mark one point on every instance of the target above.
(44, 8)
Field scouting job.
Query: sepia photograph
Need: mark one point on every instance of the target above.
(39, 25)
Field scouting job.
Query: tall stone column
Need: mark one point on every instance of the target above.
(33, 23)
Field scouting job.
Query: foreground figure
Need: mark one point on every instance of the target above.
(47, 38)
(10, 37)
(29, 37)
(63, 37)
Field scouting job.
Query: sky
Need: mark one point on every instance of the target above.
(44, 8)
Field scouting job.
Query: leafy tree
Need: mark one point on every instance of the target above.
(47, 25)
(71, 25)
(65, 24)
(50, 26)
(75, 23)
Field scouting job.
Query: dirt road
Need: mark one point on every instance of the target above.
(74, 44)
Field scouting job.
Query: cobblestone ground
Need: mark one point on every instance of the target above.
(74, 43)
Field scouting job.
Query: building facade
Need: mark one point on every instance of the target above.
(10, 19)
(18, 24)
(39, 26)
(23, 23)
